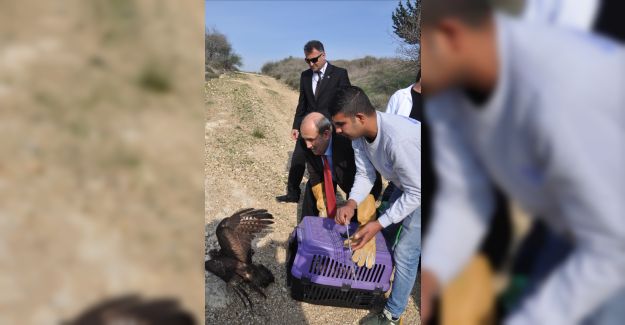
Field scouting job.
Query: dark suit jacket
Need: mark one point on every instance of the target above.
(343, 163)
(334, 79)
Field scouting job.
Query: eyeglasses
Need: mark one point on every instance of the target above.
(313, 60)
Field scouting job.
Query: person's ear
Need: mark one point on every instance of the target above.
(450, 32)
(361, 117)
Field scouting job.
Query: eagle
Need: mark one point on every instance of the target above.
(233, 262)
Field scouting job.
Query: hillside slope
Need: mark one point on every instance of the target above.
(378, 77)
(247, 151)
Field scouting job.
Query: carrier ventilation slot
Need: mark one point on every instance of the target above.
(328, 267)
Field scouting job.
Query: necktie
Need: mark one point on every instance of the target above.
(329, 188)
(318, 83)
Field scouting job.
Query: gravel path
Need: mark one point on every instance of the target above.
(247, 150)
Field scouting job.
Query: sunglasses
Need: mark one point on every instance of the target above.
(313, 60)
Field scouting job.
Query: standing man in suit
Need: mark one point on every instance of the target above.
(330, 162)
(317, 89)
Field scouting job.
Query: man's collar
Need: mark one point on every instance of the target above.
(328, 151)
(323, 69)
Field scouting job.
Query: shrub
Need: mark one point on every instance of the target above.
(379, 77)
(218, 54)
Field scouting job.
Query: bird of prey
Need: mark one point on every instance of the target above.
(233, 262)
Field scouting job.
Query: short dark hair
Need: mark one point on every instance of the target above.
(350, 101)
(323, 124)
(314, 44)
(472, 12)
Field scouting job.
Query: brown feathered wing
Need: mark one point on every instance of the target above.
(235, 233)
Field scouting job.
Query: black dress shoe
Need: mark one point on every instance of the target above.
(287, 198)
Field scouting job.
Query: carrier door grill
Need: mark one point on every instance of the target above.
(322, 293)
(328, 267)
(334, 296)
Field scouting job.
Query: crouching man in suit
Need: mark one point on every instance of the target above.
(318, 88)
(330, 162)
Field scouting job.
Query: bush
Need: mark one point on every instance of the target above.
(218, 54)
(286, 70)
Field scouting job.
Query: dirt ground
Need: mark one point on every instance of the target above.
(248, 123)
(101, 179)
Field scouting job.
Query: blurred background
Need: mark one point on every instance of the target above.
(101, 137)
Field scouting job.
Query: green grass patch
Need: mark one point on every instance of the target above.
(258, 134)
(154, 79)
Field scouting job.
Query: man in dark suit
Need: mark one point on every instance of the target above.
(318, 87)
(330, 162)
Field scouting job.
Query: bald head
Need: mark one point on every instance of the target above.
(315, 122)
(316, 131)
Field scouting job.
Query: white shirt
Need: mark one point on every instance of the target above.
(401, 102)
(552, 138)
(579, 14)
(315, 78)
(396, 154)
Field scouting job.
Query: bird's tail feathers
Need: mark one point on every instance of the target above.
(262, 276)
(214, 253)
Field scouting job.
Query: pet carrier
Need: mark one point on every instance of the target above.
(320, 269)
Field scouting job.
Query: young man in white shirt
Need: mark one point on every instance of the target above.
(511, 105)
(601, 17)
(390, 144)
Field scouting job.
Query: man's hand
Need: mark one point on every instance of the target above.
(294, 134)
(345, 213)
(366, 255)
(429, 288)
(365, 234)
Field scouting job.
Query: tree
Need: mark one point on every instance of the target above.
(407, 26)
(219, 55)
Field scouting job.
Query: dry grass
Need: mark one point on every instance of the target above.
(101, 182)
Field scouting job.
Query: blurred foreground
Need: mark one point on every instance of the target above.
(101, 184)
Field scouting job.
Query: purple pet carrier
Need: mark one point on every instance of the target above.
(319, 267)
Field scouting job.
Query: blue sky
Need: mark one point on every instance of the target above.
(262, 31)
